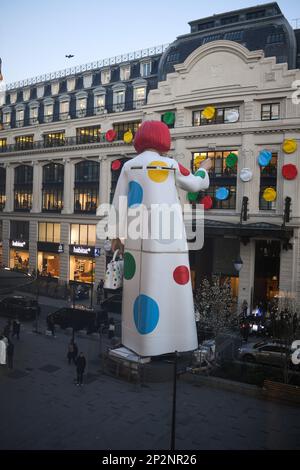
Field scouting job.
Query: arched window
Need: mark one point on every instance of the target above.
(86, 191)
(23, 188)
(53, 187)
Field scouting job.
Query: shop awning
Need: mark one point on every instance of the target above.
(247, 230)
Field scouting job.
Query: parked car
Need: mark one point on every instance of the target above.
(267, 352)
(19, 306)
(79, 318)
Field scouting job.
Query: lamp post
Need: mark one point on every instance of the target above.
(238, 263)
(173, 428)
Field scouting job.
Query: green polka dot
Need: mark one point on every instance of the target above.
(192, 196)
(129, 266)
(200, 173)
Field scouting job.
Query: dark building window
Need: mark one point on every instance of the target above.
(222, 116)
(253, 15)
(270, 111)
(208, 25)
(23, 188)
(234, 36)
(54, 139)
(220, 176)
(229, 19)
(53, 187)
(213, 37)
(19, 230)
(275, 38)
(268, 179)
(24, 142)
(2, 188)
(85, 135)
(122, 127)
(116, 168)
(86, 190)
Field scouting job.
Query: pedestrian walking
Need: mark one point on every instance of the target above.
(80, 367)
(10, 354)
(111, 328)
(51, 326)
(7, 328)
(72, 352)
(16, 328)
(100, 291)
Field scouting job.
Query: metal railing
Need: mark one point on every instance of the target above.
(87, 112)
(91, 66)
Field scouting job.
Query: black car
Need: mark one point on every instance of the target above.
(79, 318)
(19, 306)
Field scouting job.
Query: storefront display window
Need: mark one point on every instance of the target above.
(19, 260)
(48, 264)
(82, 269)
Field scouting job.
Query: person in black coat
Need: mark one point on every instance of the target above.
(80, 366)
(16, 328)
(10, 354)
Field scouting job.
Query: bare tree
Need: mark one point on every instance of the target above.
(215, 306)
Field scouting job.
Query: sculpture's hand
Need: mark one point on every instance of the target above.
(116, 244)
(206, 164)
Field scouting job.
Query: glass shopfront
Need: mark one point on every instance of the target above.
(19, 255)
(48, 264)
(82, 269)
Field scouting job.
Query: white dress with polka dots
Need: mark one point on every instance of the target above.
(157, 309)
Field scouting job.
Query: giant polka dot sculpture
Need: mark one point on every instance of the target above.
(157, 175)
(145, 314)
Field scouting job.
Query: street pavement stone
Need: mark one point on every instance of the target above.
(48, 411)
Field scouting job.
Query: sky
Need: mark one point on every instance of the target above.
(35, 35)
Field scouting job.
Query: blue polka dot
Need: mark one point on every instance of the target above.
(146, 314)
(135, 194)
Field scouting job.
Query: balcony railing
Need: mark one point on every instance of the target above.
(87, 112)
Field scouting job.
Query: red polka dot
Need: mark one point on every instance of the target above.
(110, 135)
(184, 171)
(207, 202)
(116, 165)
(181, 275)
(289, 171)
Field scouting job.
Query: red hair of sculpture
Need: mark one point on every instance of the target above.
(152, 135)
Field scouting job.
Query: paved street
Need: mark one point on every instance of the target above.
(43, 409)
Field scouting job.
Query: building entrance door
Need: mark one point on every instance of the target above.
(267, 268)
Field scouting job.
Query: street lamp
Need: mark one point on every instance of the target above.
(238, 263)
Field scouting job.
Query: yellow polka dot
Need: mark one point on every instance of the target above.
(158, 176)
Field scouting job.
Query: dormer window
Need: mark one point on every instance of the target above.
(105, 76)
(40, 91)
(81, 104)
(13, 97)
(125, 72)
(26, 94)
(64, 105)
(48, 110)
(55, 88)
(145, 68)
(33, 112)
(20, 116)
